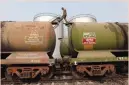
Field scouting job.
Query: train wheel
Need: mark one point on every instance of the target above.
(48, 75)
(15, 78)
(122, 69)
(125, 69)
(108, 74)
(76, 74)
(8, 77)
(3, 72)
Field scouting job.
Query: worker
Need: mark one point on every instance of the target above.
(64, 14)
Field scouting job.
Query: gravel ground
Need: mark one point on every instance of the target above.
(111, 81)
(120, 82)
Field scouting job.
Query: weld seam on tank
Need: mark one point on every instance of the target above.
(7, 41)
(124, 32)
(71, 44)
(113, 29)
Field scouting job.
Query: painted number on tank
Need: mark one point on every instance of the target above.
(89, 38)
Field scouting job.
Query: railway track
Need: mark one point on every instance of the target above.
(110, 80)
(118, 79)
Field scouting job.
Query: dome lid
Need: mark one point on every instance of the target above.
(45, 17)
(83, 18)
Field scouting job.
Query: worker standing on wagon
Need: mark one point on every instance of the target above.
(64, 14)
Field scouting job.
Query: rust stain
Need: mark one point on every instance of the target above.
(39, 69)
(29, 36)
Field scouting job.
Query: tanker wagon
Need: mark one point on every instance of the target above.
(27, 49)
(96, 49)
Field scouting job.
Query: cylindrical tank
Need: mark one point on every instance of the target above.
(58, 29)
(81, 18)
(27, 36)
(97, 36)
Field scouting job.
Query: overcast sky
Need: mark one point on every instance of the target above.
(25, 11)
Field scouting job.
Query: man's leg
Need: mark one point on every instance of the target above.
(66, 21)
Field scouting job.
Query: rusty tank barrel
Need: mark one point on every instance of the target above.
(27, 36)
